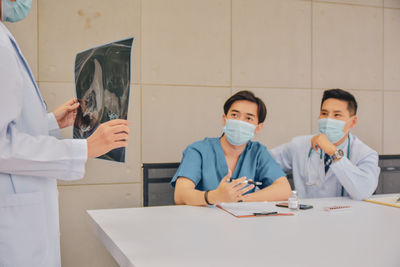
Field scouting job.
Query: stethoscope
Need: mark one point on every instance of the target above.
(308, 163)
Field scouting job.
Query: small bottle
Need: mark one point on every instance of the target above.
(294, 201)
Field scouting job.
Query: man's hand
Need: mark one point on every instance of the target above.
(230, 191)
(322, 142)
(108, 136)
(66, 113)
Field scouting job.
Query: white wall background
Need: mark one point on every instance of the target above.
(189, 56)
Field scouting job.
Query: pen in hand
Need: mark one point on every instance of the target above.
(246, 182)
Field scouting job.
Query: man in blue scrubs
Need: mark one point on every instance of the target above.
(333, 162)
(216, 170)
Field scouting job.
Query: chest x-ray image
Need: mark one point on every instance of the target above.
(102, 83)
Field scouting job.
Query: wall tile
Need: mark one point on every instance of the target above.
(25, 33)
(79, 245)
(392, 3)
(74, 26)
(369, 126)
(391, 144)
(97, 170)
(271, 43)
(392, 49)
(288, 114)
(376, 3)
(175, 117)
(347, 47)
(186, 42)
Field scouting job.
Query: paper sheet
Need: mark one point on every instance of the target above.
(247, 209)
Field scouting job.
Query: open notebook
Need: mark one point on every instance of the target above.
(388, 201)
(250, 209)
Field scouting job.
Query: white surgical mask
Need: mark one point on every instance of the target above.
(13, 11)
(239, 132)
(333, 129)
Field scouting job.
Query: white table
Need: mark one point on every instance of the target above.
(368, 235)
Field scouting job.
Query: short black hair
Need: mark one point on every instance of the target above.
(341, 95)
(249, 96)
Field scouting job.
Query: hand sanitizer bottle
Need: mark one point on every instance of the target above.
(294, 201)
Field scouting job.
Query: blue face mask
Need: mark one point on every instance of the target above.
(333, 129)
(238, 132)
(15, 11)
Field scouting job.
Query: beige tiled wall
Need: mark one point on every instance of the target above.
(189, 56)
(271, 43)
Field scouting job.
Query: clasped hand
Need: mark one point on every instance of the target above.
(233, 191)
(321, 141)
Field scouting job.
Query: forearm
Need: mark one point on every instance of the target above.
(191, 197)
(359, 182)
(43, 156)
(278, 191)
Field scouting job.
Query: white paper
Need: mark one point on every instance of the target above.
(247, 208)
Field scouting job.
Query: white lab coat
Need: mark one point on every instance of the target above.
(358, 174)
(30, 162)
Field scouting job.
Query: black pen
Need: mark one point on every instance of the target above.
(265, 213)
(246, 182)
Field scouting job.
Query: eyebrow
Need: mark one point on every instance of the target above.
(249, 114)
(335, 111)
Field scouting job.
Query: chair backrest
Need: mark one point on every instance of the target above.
(156, 188)
(289, 176)
(389, 178)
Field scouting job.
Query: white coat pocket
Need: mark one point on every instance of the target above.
(23, 237)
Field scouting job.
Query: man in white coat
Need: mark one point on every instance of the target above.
(31, 160)
(333, 162)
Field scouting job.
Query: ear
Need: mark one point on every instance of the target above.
(353, 121)
(258, 128)
(223, 119)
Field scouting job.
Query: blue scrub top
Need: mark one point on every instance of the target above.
(204, 163)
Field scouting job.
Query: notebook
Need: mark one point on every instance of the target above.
(388, 201)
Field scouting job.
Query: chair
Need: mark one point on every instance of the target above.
(156, 188)
(289, 176)
(389, 178)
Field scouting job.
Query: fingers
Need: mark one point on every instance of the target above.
(245, 189)
(117, 122)
(71, 102)
(73, 107)
(314, 144)
(238, 181)
(243, 198)
(119, 144)
(227, 177)
(121, 137)
(120, 128)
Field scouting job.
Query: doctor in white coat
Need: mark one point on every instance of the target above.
(31, 160)
(333, 162)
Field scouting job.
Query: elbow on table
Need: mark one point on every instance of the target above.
(283, 190)
(287, 192)
(178, 199)
(364, 193)
(361, 195)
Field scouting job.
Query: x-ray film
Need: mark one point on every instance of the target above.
(102, 83)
